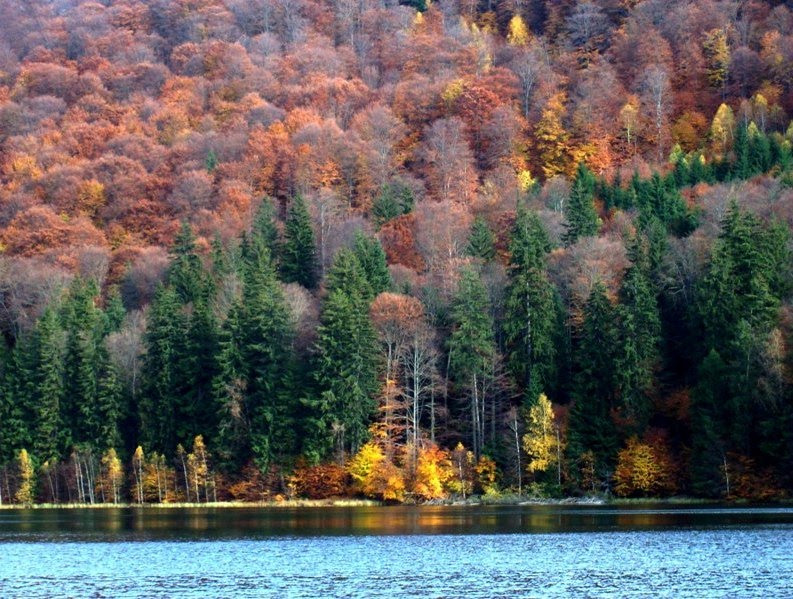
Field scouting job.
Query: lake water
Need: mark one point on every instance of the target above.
(520, 551)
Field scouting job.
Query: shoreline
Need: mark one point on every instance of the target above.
(515, 501)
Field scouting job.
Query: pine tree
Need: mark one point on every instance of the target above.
(481, 241)
(530, 314)
(581, 217)
(372, 258)
(346, 363)
(299, 256)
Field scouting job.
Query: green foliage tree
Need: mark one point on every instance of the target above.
(481, 241)
(346, 371)
(581, 219)
(372, 258)
(530, 310)
(591, 425)
(299, 251)
(472, 350)
(639, 336)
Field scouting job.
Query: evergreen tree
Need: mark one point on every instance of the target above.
(639, 336)
(472, 349)
(530, 312)
(265, 231)
(591, 426)
(161, 404)
(581, 218)
(346, 362)
(299, 254)
(253, 391)
(16, 414)
(186, 273)
(393, 200)
(481, 241)
(46, 387)
(372, 258)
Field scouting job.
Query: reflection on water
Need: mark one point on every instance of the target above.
(196, 523)
(516, 551)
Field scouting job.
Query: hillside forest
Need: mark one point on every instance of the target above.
(265, 249)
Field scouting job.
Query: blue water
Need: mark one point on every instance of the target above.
(398, 552)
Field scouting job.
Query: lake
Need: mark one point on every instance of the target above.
(428, 551)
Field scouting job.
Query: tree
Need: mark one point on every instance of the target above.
(640, 335)
(473, 351)
(26, 475)
(530, 311)
(481, 241)
(552, 139)
(253, 391)
(517, 32)
(113, 475)
(346, 355)
(372, 259)
(541, 441)
(581, 217)
(591, 427)
(299, 253)
(46, 386)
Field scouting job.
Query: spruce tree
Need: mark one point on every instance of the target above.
(639, 336)
(530, 313)
(46, 387)
(591, 426)
(161, 404)
(581, 218)
(472, 350)
(299, 251)
(265, 231)
(346, 362)
(481, 241)
(372, 258)
(186, 273)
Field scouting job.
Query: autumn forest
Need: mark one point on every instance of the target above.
(409, 251)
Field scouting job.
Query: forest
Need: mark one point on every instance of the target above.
(265, 249)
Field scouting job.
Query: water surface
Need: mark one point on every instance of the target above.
(518, 551)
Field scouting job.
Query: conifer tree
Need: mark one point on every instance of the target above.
(530, 313)
(481, 241)
(161, 403)
(639, 336)
(473, 350)
(299, 251)
(46, 386)
(346, 362)
(372, 258)
(581, 217)
(591, 427)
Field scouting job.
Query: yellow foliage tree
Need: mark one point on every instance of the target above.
(552, 139)
(721, 129)
(642, 470)
(433, 472)
(376, 476)
(487, 475)
(112, 475)
(26, 473)
(541, 441)
(518, 34)
(629, 117)
(464, 465)
(717, 53)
